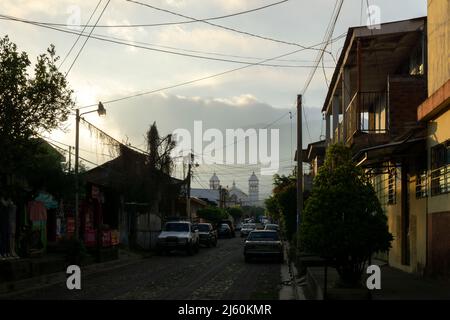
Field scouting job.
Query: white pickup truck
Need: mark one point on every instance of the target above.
(178, 235)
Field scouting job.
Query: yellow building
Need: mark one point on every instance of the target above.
(435, 114)
(389, 101)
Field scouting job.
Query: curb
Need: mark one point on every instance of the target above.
(10, 289)
(298, 291)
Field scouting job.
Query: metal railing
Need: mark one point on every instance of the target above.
(440, 180)
(367, 112)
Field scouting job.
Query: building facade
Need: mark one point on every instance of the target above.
(433, 184)
(389, 102)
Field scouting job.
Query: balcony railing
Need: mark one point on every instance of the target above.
(367, 112)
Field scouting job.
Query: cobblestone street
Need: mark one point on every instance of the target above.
(213, 273)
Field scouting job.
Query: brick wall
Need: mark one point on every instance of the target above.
(406, 93)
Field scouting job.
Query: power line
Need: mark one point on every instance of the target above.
(44, 24)
(328, 34)
(87, 38)
(79, 36)
(145, 46)
(164, 23)
(221, 26)
(198, 79)
(65, 151)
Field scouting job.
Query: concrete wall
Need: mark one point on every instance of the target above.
(438, 34)
(438, 205)
(417, 224)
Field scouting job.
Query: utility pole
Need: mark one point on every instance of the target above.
(77, 145)
(299, 166)
(188, 193)
(101, 112)
(70, 158)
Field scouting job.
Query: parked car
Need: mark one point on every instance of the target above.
(178, 235)
(207, 234)
(272, 226)
(224, 231)
(230, 224)
(247, 228)
(238, 226)
(263, 243)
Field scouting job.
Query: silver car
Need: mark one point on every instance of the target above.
(263, 243)
(247, 228)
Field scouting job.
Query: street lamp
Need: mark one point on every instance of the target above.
(101, 112)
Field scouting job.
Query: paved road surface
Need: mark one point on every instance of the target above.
(214, 273)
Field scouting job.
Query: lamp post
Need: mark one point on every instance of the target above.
(101, 112)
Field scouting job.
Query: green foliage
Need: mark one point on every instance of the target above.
(235, 212)
(343, 220)
(252, 211)
(212, 214)
(282, 205)
(29, 105)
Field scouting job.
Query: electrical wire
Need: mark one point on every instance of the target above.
(87, 38)
(197, 79)
(221, 26)
(163, 23)
(328, 34)
(79, 36)
(148, 46)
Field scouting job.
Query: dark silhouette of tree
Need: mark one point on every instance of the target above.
(212, 214)
(29, 105)
(343, 220)
(160, 166)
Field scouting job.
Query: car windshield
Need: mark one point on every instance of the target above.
(177, 227)
(263, 236)
(203, 227)
(249, 226)
(271, 226)
(224, 226)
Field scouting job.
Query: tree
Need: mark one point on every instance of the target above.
(160, 165)
(212, 214)
(235, 212)
(29, 105)
(283, 203)
(343, 220)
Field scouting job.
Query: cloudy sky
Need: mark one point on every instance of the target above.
(254, 97)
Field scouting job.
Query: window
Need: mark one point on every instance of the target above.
(440, 168)
(421, 185)
(392, 179)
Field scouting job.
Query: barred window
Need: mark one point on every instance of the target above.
(440, 168)
(392, 177)
(421, 185)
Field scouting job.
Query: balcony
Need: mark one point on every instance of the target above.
(367, 112)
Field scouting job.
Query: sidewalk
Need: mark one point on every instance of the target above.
(15, 287)
(395, 285)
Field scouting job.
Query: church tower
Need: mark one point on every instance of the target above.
(253, 189)
(214, 182)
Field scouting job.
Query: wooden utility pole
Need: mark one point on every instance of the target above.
(188, 193)
(299, 165)
(70, 158)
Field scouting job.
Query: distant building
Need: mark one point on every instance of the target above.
(253, 190)
(236, 197)
(229, 197)
(214, 182)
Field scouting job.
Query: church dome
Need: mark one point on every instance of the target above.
(253, 177)
(214, 182)
(214, 178)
